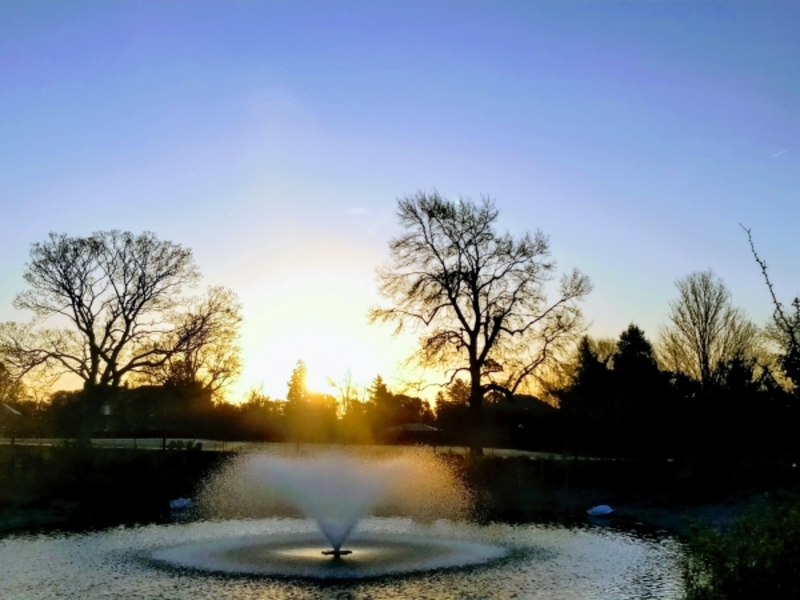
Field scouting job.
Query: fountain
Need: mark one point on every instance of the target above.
(379, 524)
(336, 491)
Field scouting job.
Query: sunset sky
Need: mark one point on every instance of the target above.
(273, 138)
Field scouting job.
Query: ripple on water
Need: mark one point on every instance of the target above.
(497, 561)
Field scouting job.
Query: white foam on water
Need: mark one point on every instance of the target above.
(375, 553)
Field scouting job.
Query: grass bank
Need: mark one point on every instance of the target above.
(670, 494)
(68, 487)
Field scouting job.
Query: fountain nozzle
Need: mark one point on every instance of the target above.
(336, 553)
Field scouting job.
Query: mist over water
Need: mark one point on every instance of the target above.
(336, 489)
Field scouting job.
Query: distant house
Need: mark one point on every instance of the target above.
(505, 422)
(413, 433)
(520, 421)
(530, 406)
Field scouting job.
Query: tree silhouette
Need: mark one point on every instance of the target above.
(634, 353)
(120, 295)
(378, 393)
(383, 406)
(478, 295)
(11, 389)
(785, 326)
(348, 392)
(310, 416)
(211, 356)
(705, 330)
(641, 392)
(637, 377)
(297, 391)
(589, 394)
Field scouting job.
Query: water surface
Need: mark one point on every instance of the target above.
(494, 561)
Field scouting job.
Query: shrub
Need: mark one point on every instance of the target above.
(757, 556)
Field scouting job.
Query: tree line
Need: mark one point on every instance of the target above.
(499, 332)
(188, 410)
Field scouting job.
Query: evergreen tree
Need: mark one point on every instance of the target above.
(378, 393)
(297, 384)
(634, 352)
(637, 377)
(640, 391)
(587, 397)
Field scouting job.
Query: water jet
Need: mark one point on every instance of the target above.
(336, 490)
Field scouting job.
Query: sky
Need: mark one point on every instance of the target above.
(274, 139)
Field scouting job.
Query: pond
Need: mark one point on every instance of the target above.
(345, 523)
(392, 558)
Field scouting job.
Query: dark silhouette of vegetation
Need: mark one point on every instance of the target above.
(617, 402)
(80, 487)
(391, 410)
(755, 557)
(623, 404)
(11, 389)
(785, 326)
(520, 421)
(156, 364)
(121, 296)
(188, 410)
(478, 296)
(209, 355)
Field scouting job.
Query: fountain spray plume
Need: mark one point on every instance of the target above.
(337, 489)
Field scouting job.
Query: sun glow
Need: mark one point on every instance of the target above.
(327, 329)
(328, 349)
(307, 299)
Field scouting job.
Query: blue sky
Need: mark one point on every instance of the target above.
(274, 138)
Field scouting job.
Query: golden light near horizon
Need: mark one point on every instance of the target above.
(313, 307)
(328, 349)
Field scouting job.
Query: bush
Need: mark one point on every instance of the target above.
(184, 445)
(757, 556)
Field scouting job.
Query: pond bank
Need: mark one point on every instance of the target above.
(674, 495)
(50, 488)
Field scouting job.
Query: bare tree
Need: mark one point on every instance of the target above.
(348, 391)
(477, 295)
(785, 326)
(11, 389)
(106, 307)
(206, 342)
(705, 330)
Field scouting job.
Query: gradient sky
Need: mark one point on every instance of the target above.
(273, 138)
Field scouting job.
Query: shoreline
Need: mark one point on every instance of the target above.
(47, 489)
(568, 508)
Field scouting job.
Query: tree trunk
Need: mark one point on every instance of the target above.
(94, 396)
(476, 415)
